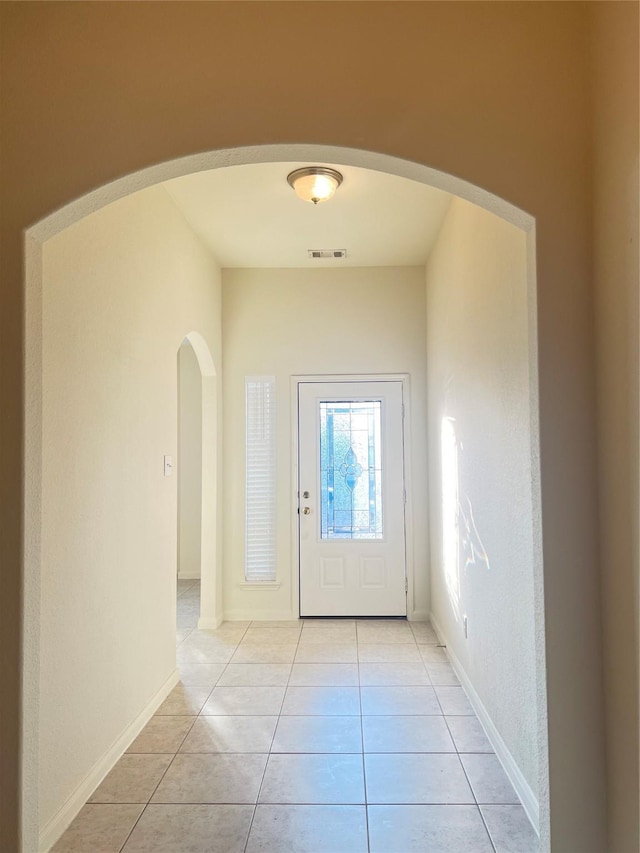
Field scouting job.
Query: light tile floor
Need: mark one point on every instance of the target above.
(312, 736)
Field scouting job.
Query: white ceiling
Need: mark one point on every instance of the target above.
(250, 217)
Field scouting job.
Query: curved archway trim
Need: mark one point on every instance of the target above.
(203, 353)
(210, 583)
(73, 212)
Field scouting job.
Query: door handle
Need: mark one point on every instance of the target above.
(306, 511)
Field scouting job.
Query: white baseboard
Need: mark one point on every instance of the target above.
(188, 576)
(54, 828)
(418, 616)
(247, 614)
(520, 784)
(210, 623)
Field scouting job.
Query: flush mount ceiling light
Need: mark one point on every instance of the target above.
(314, 183)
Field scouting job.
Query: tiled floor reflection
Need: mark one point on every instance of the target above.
(313, 736)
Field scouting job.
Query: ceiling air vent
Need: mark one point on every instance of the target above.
(317, 254)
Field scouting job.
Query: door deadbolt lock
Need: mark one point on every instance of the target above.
(306, 510)
(305, 495)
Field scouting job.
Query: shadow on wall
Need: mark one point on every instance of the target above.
(460, 536)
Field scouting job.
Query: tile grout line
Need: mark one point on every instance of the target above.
(484, 823)
(487, 829)
(148, 803)
(166, 770)
(200, 714)
(364, 766)
(457, 752)
(269, 753)
(279, 717)
(137, 821)
(465, 773)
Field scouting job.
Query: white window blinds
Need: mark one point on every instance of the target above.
(260, 523)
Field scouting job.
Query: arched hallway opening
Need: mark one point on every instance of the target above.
(479, 90)
(212, 598)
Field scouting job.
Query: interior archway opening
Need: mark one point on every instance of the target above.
(198, 599)
(463, 516)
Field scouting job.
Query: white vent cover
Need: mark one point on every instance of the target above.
(317, 254)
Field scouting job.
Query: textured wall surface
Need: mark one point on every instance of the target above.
(121, 290)
(616, 255)
(287, 322)
(482, 557)
(498, 94)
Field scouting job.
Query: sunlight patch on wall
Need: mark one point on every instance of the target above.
(450, 518)
(472, 547)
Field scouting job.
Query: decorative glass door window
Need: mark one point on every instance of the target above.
(350, 470)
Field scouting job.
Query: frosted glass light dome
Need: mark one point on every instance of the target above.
(315, 183)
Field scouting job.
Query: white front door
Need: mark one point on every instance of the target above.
(351, 499)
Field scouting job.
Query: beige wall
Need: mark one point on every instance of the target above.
(480, 467)
(122, 288)
(288, 322)
(189, 463)
(495, 93)
(616, 230)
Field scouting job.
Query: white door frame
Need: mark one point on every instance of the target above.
(408, 509)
